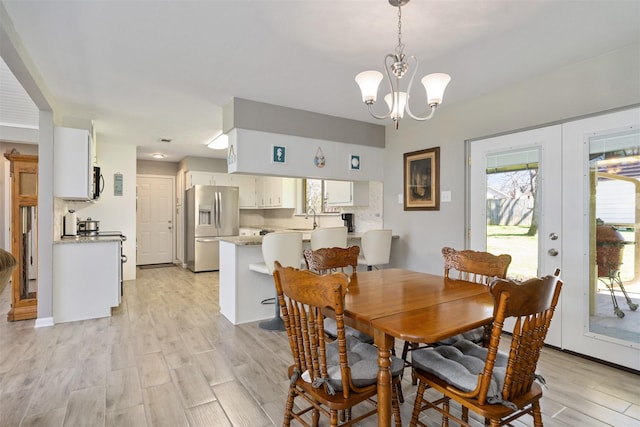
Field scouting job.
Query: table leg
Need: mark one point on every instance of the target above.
(384, 343)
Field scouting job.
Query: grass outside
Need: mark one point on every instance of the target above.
(512, 240)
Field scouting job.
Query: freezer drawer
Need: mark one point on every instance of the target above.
(206, 256)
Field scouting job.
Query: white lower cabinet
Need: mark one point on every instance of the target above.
(86, 279)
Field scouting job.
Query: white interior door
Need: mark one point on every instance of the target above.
(515, 184)
(154, 217)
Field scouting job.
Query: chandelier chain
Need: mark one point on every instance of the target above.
(400, 47)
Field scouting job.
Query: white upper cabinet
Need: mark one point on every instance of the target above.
(346, 193)
(275, 192)
(73, 164)
(247, 184)
(209, 178)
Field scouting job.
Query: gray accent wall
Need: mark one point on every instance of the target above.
(251, 115)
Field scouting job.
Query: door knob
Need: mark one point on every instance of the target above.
(553, 252)
(553, 236)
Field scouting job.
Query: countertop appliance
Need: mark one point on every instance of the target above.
(348, 222)
(88, 227)
(70, 224)
(211, 212)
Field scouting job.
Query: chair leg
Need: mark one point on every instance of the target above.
(537, 414)
(417, 405)
(334, 418)
(445, 416)
(394, 403)
(289, 407)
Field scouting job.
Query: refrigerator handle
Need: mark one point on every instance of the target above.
(215, 209)
(218, 209)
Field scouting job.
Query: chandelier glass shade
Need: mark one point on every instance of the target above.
(396, 66)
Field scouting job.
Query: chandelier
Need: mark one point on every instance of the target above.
(396, 64)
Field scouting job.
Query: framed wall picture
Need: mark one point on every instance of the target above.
(278, 154)
(354, 162)
(422, 180)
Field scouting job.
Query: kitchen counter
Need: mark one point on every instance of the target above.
(86, 239)
(257, 240)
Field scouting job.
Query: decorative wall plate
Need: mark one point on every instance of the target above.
(319, 159)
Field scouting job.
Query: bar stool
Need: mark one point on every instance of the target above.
(285, 247)
(329, 237)
(376, 248)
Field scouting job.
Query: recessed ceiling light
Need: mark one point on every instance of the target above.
(158, 156)
(220, 142)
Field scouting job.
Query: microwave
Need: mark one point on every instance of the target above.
(97, 182)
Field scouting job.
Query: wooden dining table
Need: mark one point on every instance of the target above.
(412, 306)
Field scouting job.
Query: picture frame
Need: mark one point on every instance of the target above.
(422, 179)
(278, 154)
(354, 162)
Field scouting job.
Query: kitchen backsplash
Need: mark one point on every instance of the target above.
(366, 217)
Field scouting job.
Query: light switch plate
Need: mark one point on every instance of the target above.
(400, 201)
(445, 196)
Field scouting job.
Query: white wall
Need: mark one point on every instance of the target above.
(253, 154)
(115, 213)
(595, 85)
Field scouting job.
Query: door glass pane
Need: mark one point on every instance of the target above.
(512, 209)
(614, 292)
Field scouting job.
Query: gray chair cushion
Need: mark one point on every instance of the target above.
(363, 360)
(459, 365)
(331, 329)
(475, 335)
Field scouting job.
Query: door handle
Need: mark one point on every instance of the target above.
(553, 252)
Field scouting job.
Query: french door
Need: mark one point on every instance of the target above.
(549, 196)
(515, 204)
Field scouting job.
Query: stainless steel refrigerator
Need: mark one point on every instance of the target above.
(212, 212)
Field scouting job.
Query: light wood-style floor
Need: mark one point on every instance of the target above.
(168, 358)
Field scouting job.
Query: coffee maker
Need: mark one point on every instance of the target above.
(348, 221)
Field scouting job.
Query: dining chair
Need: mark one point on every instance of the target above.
(497, 386)
(286, 248)
(472, 266)
(329, 237)
(322, 374)
(330, 260)
(327, 260)
(376, 248)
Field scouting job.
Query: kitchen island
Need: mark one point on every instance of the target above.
(241, 289)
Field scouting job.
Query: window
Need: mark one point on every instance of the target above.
(313, 190)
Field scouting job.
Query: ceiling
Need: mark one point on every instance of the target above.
(151, 70)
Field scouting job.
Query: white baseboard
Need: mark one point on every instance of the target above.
(43, 322)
